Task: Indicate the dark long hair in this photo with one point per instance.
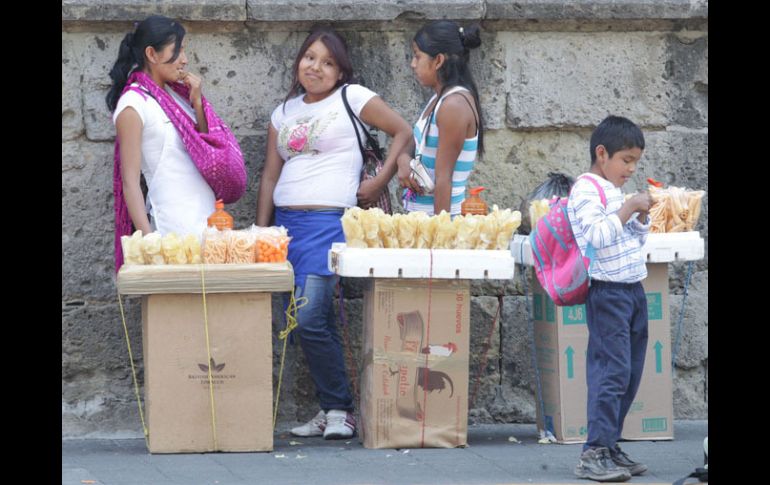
(339, 51)
(156, 31)
(448, 38)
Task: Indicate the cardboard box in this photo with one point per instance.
(561, 340)
(414, 386)
(177, 396)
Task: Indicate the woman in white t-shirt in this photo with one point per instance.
(311, 174)
(178, 198)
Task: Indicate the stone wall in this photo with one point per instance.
(548, 72)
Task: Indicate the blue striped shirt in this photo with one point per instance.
(618, 255)
(463, 166)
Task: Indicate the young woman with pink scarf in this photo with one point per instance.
(168, 132)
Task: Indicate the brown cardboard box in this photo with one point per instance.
(177, 397)
(414, 386)
(561, 340)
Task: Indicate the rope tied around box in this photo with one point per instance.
(291, 323)
(133, 373)
(425, 386)
(210, 360)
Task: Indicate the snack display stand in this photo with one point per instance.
(416, 319)
(459, 264)
(561, 338)
(207, 346)
(659, 248)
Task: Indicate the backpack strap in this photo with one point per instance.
(590, 251)
(598, 187)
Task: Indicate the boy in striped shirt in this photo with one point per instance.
(616, 307)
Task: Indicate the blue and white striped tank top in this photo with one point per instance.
(463, 166)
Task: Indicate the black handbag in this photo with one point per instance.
(372, 156)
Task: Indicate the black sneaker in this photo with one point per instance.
(596, 464)
(622, 460)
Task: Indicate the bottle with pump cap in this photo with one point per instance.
(220, 218)
(474, 204)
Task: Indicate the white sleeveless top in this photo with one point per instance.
(178, 198)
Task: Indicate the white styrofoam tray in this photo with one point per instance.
(462, 264)
(659, 248)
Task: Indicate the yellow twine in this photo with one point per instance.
(210, 362)
(133, 373)
(291, 324)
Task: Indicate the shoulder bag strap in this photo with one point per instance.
(373, 144)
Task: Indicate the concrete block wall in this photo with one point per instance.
(548, 72)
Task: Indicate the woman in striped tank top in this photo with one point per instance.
(449, 132)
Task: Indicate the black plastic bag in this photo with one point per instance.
(557, 184)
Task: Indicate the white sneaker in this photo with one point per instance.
(339, 425)
(314, 427)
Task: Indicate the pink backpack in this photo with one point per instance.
(560, 267)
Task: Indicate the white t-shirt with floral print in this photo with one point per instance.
(322, 161)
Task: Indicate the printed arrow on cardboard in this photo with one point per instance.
(570, 367)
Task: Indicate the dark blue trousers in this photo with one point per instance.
(617, 342)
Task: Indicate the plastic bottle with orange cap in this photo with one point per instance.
(474, 204)
(220, 219)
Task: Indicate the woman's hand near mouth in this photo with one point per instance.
(194, 83)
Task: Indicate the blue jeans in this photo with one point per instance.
(321, 343)
(617, 342)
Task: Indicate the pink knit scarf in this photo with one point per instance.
(216, 154)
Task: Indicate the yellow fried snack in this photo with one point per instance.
(171, 247)
(445, 231)
(192, 249)
(351, 226)
(388, 234)
(468, 228)
(132, 248)
(537, 209)
(240, 247)
(371, 227)
(695, 198)
(151, 248)
(508, 222)
(488, 229)
(214, 246)
(406, 230)
(426, 230)
(676, 209)
(657, 215)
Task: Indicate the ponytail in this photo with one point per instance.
(127, 60)
(455, 42)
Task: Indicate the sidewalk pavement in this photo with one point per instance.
(492, 457)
